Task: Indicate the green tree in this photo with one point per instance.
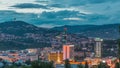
(117, 65)
(51, 64)
(40, 64)
(80, 66)
(28, 62)
(35, 64)
(86, 65)
(119, 50)
(119, 47)
(67, 64)
(12, 66)
(26, 67)
(103, 65)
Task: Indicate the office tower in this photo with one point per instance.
(98, 47)
(68, 52)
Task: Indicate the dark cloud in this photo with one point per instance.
(59, 14)
(57, 18)
(8, 15)
(96, 17)
(57, 5)
(30, 5)
(99, 12)
(42, 1)
(81, 2)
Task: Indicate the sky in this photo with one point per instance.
(54, 13)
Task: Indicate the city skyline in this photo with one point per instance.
(51, 13)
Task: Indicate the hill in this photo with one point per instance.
(108, 31)
(21, 35)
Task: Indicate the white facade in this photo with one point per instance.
(98, 46)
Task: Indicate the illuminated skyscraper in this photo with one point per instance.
(68, 52)
(98, 47)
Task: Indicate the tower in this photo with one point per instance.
(68, 49)
(61, 39)
(98, 47)
(68, 52)
(64, 36)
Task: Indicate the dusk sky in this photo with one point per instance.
(52, 13)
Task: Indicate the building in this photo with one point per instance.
(98, 47)
(44, 53)
(32, 57)
(56, 57)
(68, 52)
(32, 50)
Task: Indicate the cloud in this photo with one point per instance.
(73, 18)
(81, 2)
(55, 18)
(61, 12)
(48, 25)
(42, 1)
(59, 18)
(57, 5)
(30, 5)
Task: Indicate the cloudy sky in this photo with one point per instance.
(51, 13)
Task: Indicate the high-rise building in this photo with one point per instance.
(98, 47)
(68, 52)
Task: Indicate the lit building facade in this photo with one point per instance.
(56, 57)
(98, 47)
(32, 50)
(68, 52)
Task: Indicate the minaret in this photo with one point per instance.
(64, 36)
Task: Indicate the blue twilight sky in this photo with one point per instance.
(51, 13)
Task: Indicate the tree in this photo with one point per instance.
(67, 64)
(35, 64)
(25, 67)
(80, 66)
(86, 65)
(28, 62)
(51, 64)
(103, 65)
(40, 64)
(100, 65)
(119, 50)
(117, 65)
(12, 66)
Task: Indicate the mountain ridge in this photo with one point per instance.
(22, 35)
(93, 30)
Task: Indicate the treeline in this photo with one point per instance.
(29, 64)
